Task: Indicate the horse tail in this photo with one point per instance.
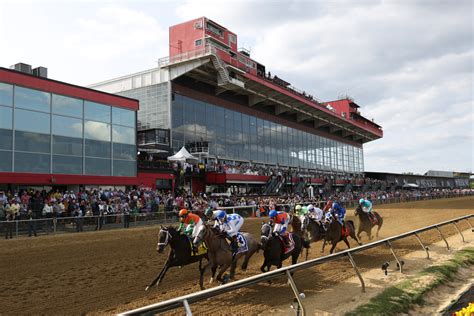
(379, 219)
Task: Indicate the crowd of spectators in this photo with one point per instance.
(77, 206)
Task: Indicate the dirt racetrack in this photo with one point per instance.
(106, 272)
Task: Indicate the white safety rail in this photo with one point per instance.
(184, 301)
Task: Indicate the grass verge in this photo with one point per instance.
(399, 298)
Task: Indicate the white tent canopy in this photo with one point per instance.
(410, 185)
(182, 155)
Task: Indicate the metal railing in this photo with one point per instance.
(184, 301)
(85, 223)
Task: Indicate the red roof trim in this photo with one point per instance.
(58, 87)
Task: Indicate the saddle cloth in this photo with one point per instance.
(202, 249)
(242, 243)
(291, 244)
(345, 231)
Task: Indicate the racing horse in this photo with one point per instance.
(335, 232)
(365, 224)
(180, 253)
(273, 249)
(308, 229)
(219, 252)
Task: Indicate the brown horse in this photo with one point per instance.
(334, 232)
(218, 251)
(365, 224)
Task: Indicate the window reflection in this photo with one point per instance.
(30, 121)
(123, 117)
(96, 112)
(6, 94)
(97, 131)
(66, 126)
(32, 99)
(67, 106)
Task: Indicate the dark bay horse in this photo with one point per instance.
(273, 248)
(365, 224)
(179, 255)
(334, 232)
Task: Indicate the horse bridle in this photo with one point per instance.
(168, 235)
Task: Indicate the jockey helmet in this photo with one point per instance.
(183, 213)
(361, 201)
(310, 207)
(272, 213)
(208, 212)
(298, 207)
(221, 215)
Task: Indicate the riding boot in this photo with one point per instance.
(234, 246)
(286, 240)
(195, 249)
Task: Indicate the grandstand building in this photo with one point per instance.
(223, 106)
(54, 134)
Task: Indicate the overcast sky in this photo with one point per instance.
(408, 64)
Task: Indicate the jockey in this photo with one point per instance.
(367, 208)
(301, 212)
(230, 224)
(281, 220)
(339, 212)
(315, 213)
(190, 224)
(328, 206)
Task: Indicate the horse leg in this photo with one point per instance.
(378, 227)
(334, 243)
(213, 272)
(324, 244)
(233, 265)
(347, 242)
(246, 260)
(353, 236)
(201, 273)
(222, 269)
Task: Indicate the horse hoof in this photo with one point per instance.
(211, 280)
(147, 288)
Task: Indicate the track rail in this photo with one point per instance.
(184, 301)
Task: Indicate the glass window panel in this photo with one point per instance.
(29, 121)
(123, 135)
(6, 94)
(6, 139)
(34, 163)
(125, 168)
(124, 151)
(98, 167)
(5, 161)
(96, 131)
(95, 148)
(5, 118)
(96, 112)
(67, 164)
(32, 142)
(67, 146)
(123, 117)
(66, 126)
(32, 99)
(67, 106)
